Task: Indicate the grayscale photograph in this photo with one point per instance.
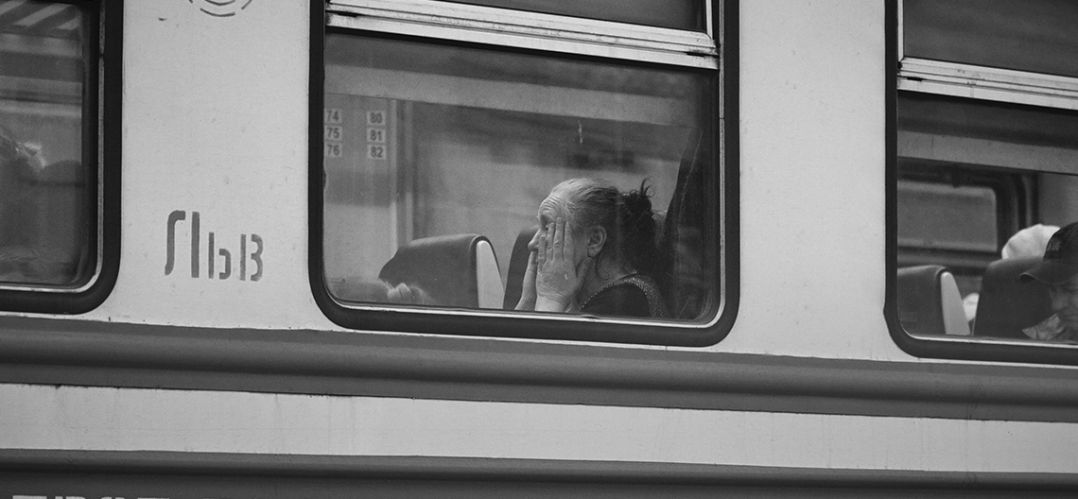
(538, 248)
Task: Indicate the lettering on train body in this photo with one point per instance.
(214, 259)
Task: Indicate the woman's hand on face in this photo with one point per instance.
(557, 277)
(527, 291)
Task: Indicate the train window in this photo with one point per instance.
(449, 161)
(984, 179)
(49, 230)
(973, 178)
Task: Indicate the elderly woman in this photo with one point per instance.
(592, 253)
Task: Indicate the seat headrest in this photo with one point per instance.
(929, 301)
(1007, 305)
(442, 266)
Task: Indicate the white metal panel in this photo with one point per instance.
(812, 180)
(44, 417)
(215, 122)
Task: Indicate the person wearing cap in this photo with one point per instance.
(1026, 243)
(1059, 271)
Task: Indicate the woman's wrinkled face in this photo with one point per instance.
(550, 210)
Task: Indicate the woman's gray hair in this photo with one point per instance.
(627, 218)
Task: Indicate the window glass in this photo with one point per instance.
(437, 158)
(947, 216)
(679, 14)
(982, 189)
(1031, 35)
(45, 207)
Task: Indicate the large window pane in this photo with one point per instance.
(982, 188)
(426, 142)
(45, 209)
(679, 14)
(1028, 35)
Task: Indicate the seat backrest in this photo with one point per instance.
(929, 301)
(1007, 305)
(518, 264)
(459, 270)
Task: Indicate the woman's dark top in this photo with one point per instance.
(634, 295)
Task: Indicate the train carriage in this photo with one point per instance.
(266, 248)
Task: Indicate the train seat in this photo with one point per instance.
(459, 270)
(929, 301)
(1008, 305)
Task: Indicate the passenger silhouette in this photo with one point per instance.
(1058, 270)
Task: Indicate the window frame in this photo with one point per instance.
(676, 49)
(981, 82)
(984, 84)
(102, 114)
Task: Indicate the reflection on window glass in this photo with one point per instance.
(983, 189)
(461, 177)
(679, 14)
(1031, 35)
(947, 217)
(45, 210)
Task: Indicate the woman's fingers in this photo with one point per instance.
(549, 240)
(569, 244)
(559, 239)
(542, 254)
